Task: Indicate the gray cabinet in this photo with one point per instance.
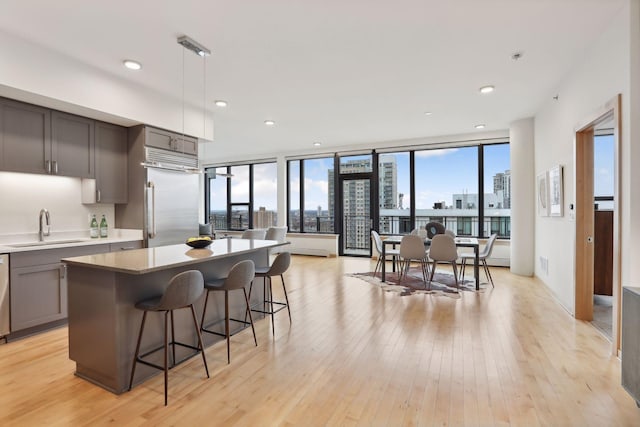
(630, 366)
(125, 246)
(171, 141)
(38, 285)
(25, 137)
(72, 145)
(111, 163)
(38, 295)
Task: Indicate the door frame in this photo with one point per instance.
(584, 215)
(340, 206)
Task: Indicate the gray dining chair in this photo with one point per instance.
(412, 249)
(183, 291)
(482, 257)
(443, 249)
(254, 233)
(450, 233)
(377, 244)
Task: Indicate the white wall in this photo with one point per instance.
(33, 74)
(23, 195)
(603, 73)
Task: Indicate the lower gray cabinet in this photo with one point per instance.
(38, 295)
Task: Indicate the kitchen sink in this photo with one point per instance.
(45, 243)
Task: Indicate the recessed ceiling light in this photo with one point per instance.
(487, 89)
(269, 122)
(131, 64)
(317, 144)
(480, 126)
(221, 103)
(428, 113)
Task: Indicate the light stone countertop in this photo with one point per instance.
(66, 239)
(141, 261)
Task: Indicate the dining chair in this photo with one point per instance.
(434, 228)
(443, 249)
(450, 233)
(482, 257)
(377, 244)
(412, 249)
(419, 232)
(254, 233)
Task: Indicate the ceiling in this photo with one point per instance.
(341, 72)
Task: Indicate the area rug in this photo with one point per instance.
(443, 283)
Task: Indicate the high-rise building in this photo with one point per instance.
(356, 196)
(262, 218)
(502, 188)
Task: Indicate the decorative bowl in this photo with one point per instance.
(199, 243)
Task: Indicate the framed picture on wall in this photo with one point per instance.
(542, 191)
(556, 185)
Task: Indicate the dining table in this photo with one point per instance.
(462, 242)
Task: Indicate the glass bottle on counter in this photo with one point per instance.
(104, 228)
(93, 227)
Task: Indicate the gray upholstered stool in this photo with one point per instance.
(279, 266)
(240, 276)
(184, 289)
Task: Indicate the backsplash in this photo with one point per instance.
(22, 196)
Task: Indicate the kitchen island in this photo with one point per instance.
(104, 288)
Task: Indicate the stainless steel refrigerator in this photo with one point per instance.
(163, 194)
(171, 207)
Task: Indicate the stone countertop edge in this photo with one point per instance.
(135, 261)
(116, 236)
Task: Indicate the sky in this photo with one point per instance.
(439, 174)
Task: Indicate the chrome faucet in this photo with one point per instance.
(41, 233)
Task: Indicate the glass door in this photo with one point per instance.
(356, 196)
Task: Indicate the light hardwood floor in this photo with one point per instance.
(355, 355)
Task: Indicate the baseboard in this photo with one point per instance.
(310, 251)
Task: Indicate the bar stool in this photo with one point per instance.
(184, 289)
(279, 266)
(240, 276)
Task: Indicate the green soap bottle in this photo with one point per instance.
(104, 228)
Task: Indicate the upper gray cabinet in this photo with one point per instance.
(111, 163)
(171, 141)
(72, 145)
(25, 137)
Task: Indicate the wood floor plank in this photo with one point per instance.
(354, 355)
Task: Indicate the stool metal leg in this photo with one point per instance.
(204, 309)
(166, 355)
(286, 297)
(226, 324)
(200, 344)
(173, 340)
(135, 357)
(273, 323)
(250, 317)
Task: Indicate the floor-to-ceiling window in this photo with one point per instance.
(446, 186)
(497, 190)
(242, 196)
(467, 188)
(394, 193)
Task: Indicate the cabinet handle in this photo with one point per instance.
(98, 195)
(127, 248)
(63, 271)
(151, 210)
(55, 167)
(47, 166)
